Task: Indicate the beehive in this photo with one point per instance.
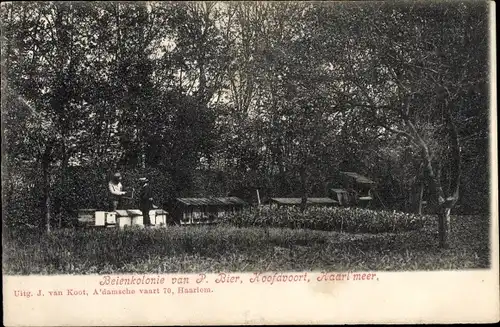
(123, 219)
(100, 218)
(86, 217)
(160, 217)
(136, 216)
(110, 218)
(120, 218)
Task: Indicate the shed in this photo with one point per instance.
(360, 185)
(326, 202)
(189, 211)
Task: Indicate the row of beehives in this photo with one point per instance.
(194, 211)
(120, 218)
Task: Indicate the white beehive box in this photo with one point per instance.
(161, 217)
(137, 221)
(152, 216)
(100, 218)
(123, 219)
(136, 216)
(111, 218)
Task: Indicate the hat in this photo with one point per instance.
(143, 179)
(117, 175)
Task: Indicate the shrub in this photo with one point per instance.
(354, 220)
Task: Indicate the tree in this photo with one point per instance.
(414, 77)
(42, 56)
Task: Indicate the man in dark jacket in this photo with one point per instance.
(146, 201)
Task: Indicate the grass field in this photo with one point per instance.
(226, 248)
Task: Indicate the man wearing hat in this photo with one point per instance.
(146, 200)
(116, 191)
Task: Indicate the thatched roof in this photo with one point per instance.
(358, 178)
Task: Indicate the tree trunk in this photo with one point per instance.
(454, 189)
(58, 202)
(416, 198)
(444, 204)
(303, 182)
(420, 197)
(444, 219)
(46, 159)
(46, 195)
(143, 153)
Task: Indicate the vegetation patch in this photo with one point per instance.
(352, 220)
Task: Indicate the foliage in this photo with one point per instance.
(352, 220)
(215, 97)
(83, 188)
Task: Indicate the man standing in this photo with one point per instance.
(116, 191)
(146, 200)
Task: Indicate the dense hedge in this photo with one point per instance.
(355, 220)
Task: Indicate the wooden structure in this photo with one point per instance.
(119, 218)
(129, 218)
(96, 218)
(360, 188)
(192, 211)
(341, 196)
(325, 202)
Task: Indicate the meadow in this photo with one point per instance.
(229, 248)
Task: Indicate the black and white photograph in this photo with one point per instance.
(208, 137)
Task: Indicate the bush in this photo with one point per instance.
(354, 220)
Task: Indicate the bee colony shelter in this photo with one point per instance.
(190, 211)
(361, 185)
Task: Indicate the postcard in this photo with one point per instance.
(236, 163)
